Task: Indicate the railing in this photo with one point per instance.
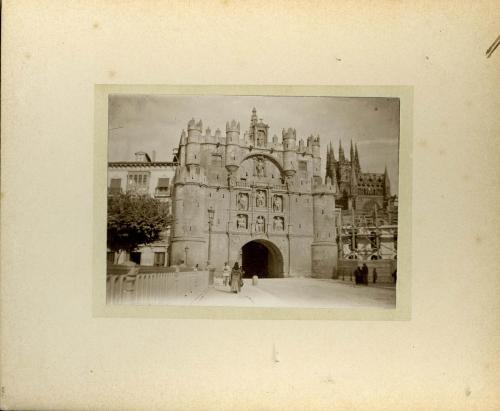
(246, 184)
(242, 184)
(279, 186)
(139, 288)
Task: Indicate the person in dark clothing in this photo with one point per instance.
(357, 275)
(375, 275)
(364, 271)
(395, 276)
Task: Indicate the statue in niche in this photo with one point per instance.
(243, 201)
(241, 222)
(260, 138)
(277, 204)
(260, 224)
(278, 224)
(260, 167)
(260, 199)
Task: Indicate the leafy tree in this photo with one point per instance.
(134, 220)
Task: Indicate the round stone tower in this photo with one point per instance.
(232, 145)
(193, 143)
(289, 152)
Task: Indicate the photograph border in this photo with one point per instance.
(403, 286)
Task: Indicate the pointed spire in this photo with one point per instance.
(341, 151)
(254, 118)
(356, 158)
(351, 153)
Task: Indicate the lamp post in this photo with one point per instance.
(211, 213)
(186, 249)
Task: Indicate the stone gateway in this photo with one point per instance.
(273, 212)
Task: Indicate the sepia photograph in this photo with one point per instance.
(252, 201)
(250, 205)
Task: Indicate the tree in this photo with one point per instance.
(134, 220)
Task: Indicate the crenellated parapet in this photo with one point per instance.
(194, 128)
(190, 175)
(327, 188)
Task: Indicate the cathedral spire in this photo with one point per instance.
(351, 153)
(356, 158)
(341, 151)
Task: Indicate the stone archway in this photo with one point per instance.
(262, 258)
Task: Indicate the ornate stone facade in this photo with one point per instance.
(273, 211)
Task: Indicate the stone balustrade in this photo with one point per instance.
(150, 288)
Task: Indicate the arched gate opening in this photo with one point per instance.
(262, 258)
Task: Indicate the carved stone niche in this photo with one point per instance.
(242, 201)
(241, 222)
(260, 167)
(260, 224)
(278, 224)
(277, 203)
(260, 198)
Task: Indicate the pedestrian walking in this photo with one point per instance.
(236, 278)
(375, 275)
(226, 272)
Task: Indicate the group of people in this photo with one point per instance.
(361, 274)
(233, 277)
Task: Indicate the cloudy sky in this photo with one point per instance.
(155, 122)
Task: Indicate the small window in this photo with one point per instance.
(163, 186)
(159, 259)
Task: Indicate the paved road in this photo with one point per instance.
(299, 292)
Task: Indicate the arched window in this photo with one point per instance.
(373, 239)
